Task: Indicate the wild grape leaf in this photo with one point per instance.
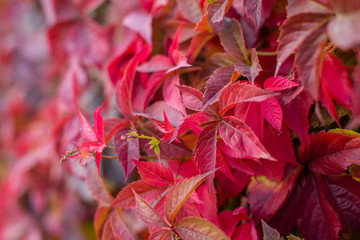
(232, 39)
(238, 135)
(96, 186)
(266, 197)
(141, 23)
(147, 213)
(331, 153)
(191, 97)
(180, 193)
(205, 151)
(171, 93)
(279, 83)
(269, 232)
(335, 78)
(217, 60)
(343, 195)
(258, 11)
(294, 31)
(198, 228)
(252, 115)
(119, 228)
(190, 9)
(308, 60)
(240, 92)
(316, 220)
(127, 151)
(217, 81)
(344, 29)
(217, 10)
(250, 71)
(125, 198)
(272, 112)
(155, 173)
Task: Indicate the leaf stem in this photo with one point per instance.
(267, 54)
(109, 157)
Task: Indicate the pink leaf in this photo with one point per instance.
(258, 10)
(190, 9)
(189, 227)
(238, 135)
(191, 97)
(86, 130)
(125, 198)
(171, 93)
(239, 92)
(250, 71)
(155, 173)
(217, 81)
(278, 83)
(119, 228)
(96, 186)
(180, 193)
(127, 151)
(272, 112)
(218, 9)
(98, 123)
(156, 64)
(140, 22)
(147, 213)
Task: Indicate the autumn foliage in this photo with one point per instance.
(180, 119)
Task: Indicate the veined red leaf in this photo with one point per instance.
(308, 59)
(217, 81)
(335, 78)
(197, 44)
(272, 112)
(99, 123)
(232, 39)
(222, 163)
(179, 60)
(228, 221)
(218, 9)
(140, 22)
(296, 7)
(191, 97)
(147, 213)
(107, 232)
(180, 193)
(279, 83)
(294, 31)
(266, 197)
(250, 71)
(86, 130)
(343, 195)
(156, 64)
(96, 186)
(127, 151)
(258, 11)
(198, 228)
(331, 153)
(161, 234)
(119, 228)
(125, 198)
(190, 9)
(155, 173)
(205, 151)
(344, 29)
(171, 93)
(317, 220)
(123, 90)
(239, 92)
(246, 231)
(269, 232)
(238, 135)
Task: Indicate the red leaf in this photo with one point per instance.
(127, 151)
(180, 193)
(237, 135)
(140, 22)
(294, 31)
(147, 213)
(119, 228)
(99, 123)
(250, 71)
(191, 97)
(156, 64)
(197, 44)
(189, 227)
(335, 78)
(266, 197)
(278, 83)
(246, 231)
(125, 198)
(344, 29)
(171, 93)
(272, 112)
(269, 232)
(239, 92)
(96, 186)
(258, 11)
(155, 173)
(218, 9)
(232, 39)
(190, 9)
(205, 151)
(86, 130)
(218, 80)
(331, 153)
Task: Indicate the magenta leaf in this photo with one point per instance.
(155, 173)
(217, 10)
(190, 9)
(258, 10)
(156, 64)
(272, 112)
(250, 71)
(140, 22)
(171, 93)
(278, 83)
(96, 186)
(119, 228)
(191, 97)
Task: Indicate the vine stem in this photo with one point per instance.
(267, 54)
